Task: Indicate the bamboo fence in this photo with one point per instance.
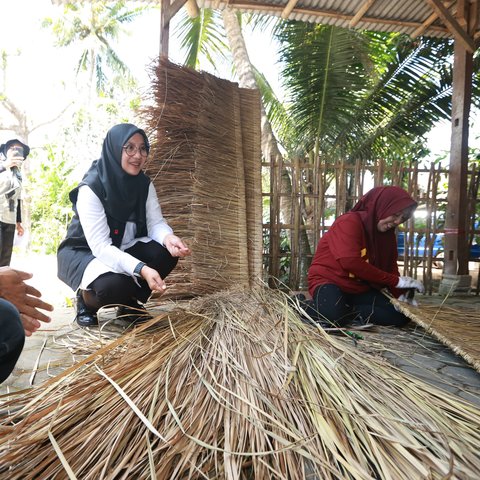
(318, 193)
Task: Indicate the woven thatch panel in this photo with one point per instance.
(251, 128)
(455, 328)
(208, 136)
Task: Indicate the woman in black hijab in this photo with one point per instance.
(118, 247)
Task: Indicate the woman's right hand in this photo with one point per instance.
(409, 282)
(152, 277)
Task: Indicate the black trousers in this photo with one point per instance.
(12, 338)
(7, 233)
(118, 289)
(332, 305)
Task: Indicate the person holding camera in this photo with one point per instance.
(12, 155)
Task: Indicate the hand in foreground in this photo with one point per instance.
(406, 299)
(409, 282)
(13, 162)
(154, 280)
(25, 297)
(175, 246)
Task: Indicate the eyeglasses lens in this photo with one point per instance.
(132, 150)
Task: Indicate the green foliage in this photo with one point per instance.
(95, 27)
(360, 94)
(51, 208)
(202, 38)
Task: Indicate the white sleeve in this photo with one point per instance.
(97, 233)
(157, 226)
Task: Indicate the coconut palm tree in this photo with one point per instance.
(94, 26)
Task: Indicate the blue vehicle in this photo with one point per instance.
(419, 249)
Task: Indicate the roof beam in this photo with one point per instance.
(288, 8)
(278, 9)
(361, 12)
(421, 30)
(452, 24)
(192, 9)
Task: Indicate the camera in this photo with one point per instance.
(17, 152)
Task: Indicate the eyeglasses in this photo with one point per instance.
(131, 150)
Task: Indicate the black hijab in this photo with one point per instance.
(123, 196)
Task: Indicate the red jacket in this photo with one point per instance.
(342, 259)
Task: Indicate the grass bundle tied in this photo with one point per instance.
(233, 385)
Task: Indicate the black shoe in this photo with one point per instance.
(133, 313)
(84, 316)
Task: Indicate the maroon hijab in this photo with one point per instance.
(377, 204)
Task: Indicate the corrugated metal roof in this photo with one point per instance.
(413, 17)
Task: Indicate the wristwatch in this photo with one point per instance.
(138, 269)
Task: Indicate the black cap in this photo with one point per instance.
(5, 146)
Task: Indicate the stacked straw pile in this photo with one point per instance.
(206, 167)
(235, 386)
(458, 329)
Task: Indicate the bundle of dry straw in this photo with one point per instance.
(235, 386)
(206, 167)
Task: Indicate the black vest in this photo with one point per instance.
(74, 254)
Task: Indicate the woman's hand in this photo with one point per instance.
(409, 282)
(175, 246)
(152, 277)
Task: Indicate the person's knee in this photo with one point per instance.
(331, 304)
(386, 316)
(114, 289)
(12, 338)
(163, 262)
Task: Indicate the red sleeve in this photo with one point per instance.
(348, 246)
(362, 269)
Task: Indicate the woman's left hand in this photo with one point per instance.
(175, 246)
(155, 282)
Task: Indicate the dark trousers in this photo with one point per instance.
(330, 304)
(12, 338)
(7, 233)
(118, 289)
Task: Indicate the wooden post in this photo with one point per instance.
(456, 254)
(167, 11)
(164, 27)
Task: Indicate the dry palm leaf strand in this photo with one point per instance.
(238, 387)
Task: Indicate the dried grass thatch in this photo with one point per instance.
(206, 167)
(234, 386)
(459, 329)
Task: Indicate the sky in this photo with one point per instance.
(42, 77)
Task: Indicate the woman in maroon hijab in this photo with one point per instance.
(357, 258)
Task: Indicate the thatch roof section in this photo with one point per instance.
(205, 165)
(455, 328)
(233, 385)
